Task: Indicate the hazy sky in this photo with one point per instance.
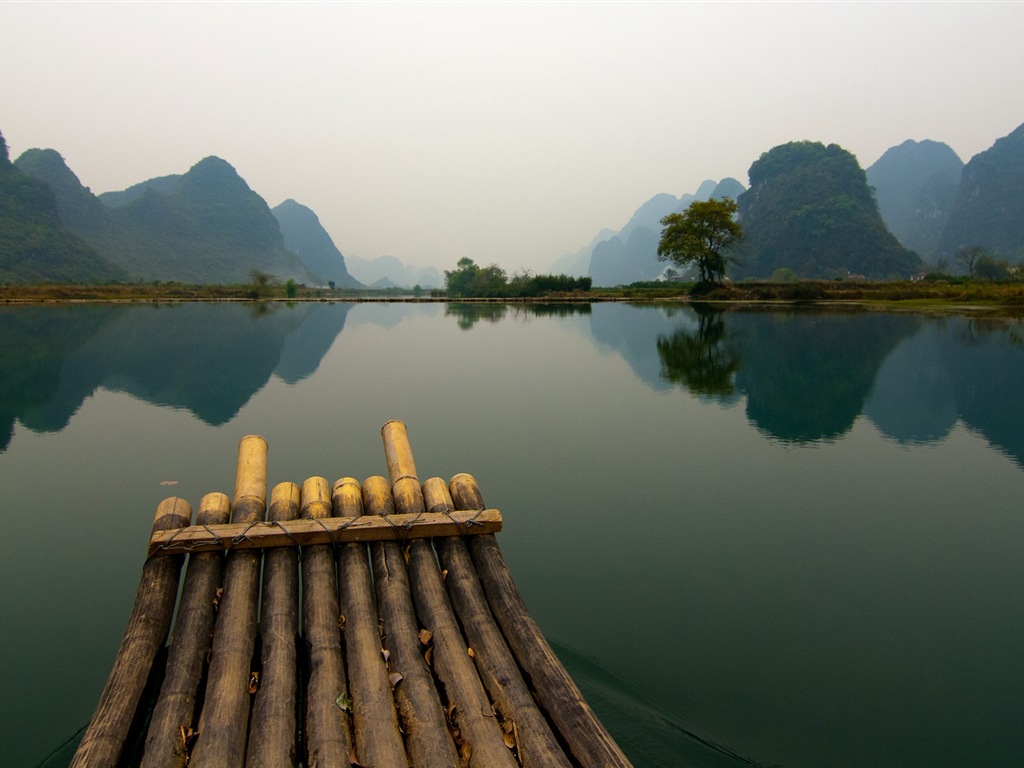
(506, 132)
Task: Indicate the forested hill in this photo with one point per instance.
(809, 209)
(915, 184)
(989, 207)
(205, 226)
(34, 244)
(306, 238)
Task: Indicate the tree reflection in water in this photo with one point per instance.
(705, 361)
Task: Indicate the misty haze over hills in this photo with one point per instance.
(631, 254)
(915, 185)
(204, 226)
(306, 238)
(389, 272)
(811, 211)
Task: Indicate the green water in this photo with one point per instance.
(754, 537)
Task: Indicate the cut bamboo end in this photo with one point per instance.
(171, 513)
(316, 498)
(465, 492)
(347, 498)
(377, 496)
(214, 509)
(436, 496)
(251, 472)
(284, 501)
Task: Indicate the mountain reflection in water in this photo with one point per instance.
(804, 375)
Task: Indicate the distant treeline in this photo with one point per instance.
(470, 280)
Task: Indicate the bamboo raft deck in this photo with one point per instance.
(388, 632)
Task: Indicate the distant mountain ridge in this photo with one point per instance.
(306, 238)
(631, 254)
(390, 272)
(203, 226)
(34, 244)
(915, 185)
(989, 206)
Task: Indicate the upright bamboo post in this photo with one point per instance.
(590, 744)
(328, 734)
(104, 737)
(378, 741)
(453, 664)
(524, 724)
(170, 727)
(272, 730)
(428, 742)
(224, 721)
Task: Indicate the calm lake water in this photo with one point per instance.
(755, 538)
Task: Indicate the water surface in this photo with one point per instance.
(768, 538)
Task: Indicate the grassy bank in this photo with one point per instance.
(932, 294)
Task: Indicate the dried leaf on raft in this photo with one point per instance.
(217, 596)
(394, 678)
(510, 734)
(254, 682)
(386, 654)
(344, 702)
(341, 621)
(425, 636)
(428, 656)
(470, 652)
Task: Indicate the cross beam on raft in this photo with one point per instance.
(330, 530)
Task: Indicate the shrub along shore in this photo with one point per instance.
(954, 294)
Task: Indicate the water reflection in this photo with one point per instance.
(804, 376)
(704, 361)
(807, 376)
(207, 358)
(470, 313)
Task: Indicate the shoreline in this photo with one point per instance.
(1002, 299)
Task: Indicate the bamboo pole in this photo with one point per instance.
(328, 734)
(378, 741)
(170, 728)
(524, 725)
(225, 716)
(272, 728)
(590, 744)
(428, 742)
(481, 739)
(104, 737)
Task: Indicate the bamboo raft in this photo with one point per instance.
(388, 632)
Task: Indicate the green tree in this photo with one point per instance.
(470, 280)
(701, 235)
(457, 282)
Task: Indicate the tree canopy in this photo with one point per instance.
(701, 235)
(810, 209)
(470, 280)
